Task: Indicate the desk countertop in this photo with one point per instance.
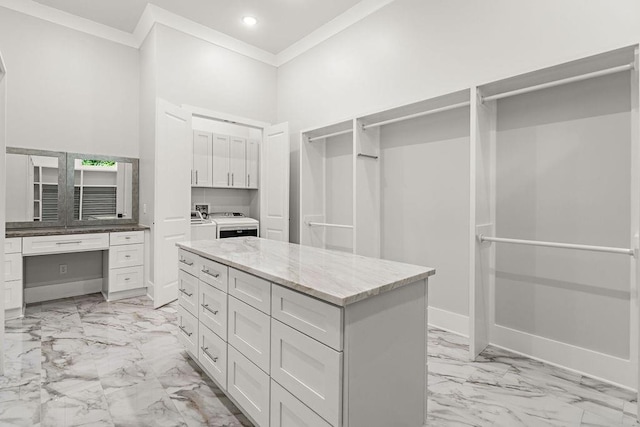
(57, 231)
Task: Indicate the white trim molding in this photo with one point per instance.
(605, 367)
(449, 321)
(156, 15)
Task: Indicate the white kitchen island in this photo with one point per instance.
(300, 336)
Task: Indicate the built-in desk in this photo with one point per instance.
(122, 250)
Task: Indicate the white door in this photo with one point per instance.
(238, 162)
(172, 197)
(274, 183)
(221, 175)
(202, 159)
(3, 117)
(253, 148)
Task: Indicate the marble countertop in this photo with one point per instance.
(337, 277)
(56, 231)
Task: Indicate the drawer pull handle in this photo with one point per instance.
(127, 278)
(75, 242)
(184, 331)
(127, 256)
(214, 275)
(206, 307)
(185, 292)
(128, 237)
(186, 262)
(204, 350)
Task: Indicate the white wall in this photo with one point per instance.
(416, 49)
(70, 91)
(194, 72)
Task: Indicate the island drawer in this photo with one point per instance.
(188, 292)
(308, 315)
(188, 331)
(124, 279)
(250, 289)
(13, 245)
(12, 267)
(212, 354)
(249, 332)
(126, 238)
(126, 256)
(287, 410)
(212, 309)
(43, 245)
(188, 262)
(249, 386)
(308, 369)
(214, 273)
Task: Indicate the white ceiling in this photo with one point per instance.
(280, 22)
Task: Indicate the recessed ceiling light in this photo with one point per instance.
(250, 21)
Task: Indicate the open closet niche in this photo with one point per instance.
(225, 172)
(327, 187)
(412, 193)
(556, 204)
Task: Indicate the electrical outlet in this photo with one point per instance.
(63, 268)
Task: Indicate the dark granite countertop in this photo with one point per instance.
(56, 231)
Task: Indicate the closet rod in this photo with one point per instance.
(413, 116)
(342, 132)
(622, 251)
(580, 78)
(324, 224)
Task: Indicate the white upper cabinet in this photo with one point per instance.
(221, 153)
(202, 159)
(238, 162)
(253, 149)
(223, 161)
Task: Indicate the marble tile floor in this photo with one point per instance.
(85, 362)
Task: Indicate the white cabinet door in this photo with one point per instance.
(173, 198)
(202, 159)
(274, 183)
(253, 148)
(287, 411)
(212, 354)
(221, 176)
(249, 386)
(249, 332)
(238, 162)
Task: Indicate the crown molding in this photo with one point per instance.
(330, 29)
(56, 16)
(155, 15)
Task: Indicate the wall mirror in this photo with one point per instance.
(102, 189)
(35, 188)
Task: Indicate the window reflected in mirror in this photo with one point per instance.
(32, 188)
(102, 190)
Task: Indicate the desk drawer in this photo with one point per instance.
(249, 386)
(188, 331)
(308, 369)
(249, 332)
(188, 292)
(188, 262)
(315, 318)
(212, 309)
(251, 289)
(288, 411)
(126, 256)
(12, 267)
(126, 238)
(214, 273)
(42, 245)
(13, 245)
(13, 295)
(124, 279)
(212, 354)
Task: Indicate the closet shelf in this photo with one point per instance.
(622, 251)
(561, 82)
(413, 116)
(329, 135)
(325, 224)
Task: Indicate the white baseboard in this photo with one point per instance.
(611, 369)
(115, 296)
(449, 321)
(62, 290)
